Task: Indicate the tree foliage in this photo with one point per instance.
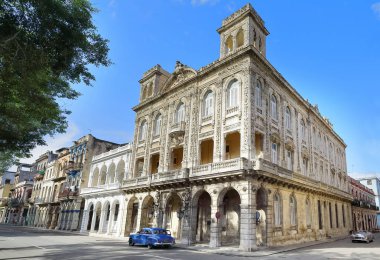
(45, 47)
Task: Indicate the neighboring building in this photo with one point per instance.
(104, 198)
(214, 145)
(21, 192)
(77, 172)
(363, 206)
(373, 183)
(37, 201)
(6, 184)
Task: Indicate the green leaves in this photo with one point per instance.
(44, 47)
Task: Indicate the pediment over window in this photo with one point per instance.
(181, 73)
(275, 137)
(305, 152)
(289, 145)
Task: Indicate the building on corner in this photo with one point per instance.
(373, 182)
(212, 146)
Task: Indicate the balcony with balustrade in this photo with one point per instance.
(219, 169)
(177, 129)
(101, 188)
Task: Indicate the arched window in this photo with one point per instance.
(142, 131)
(157, 125)
(180, 113)
(150, 90)
(303, 131)
(260, 44)
(240, 38)
(208, 105)
(273, 102)
(293, 211)
(228, 45)
(277, 210)
(288, 119)
(308, 213)
(233, 94)
(274, 153)
(259, 98)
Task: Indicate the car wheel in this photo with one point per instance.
(150, 246)
(130, 242)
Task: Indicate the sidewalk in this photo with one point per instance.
(265, 251)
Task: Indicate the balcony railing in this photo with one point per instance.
(171, 175)
(109, 186)
(136, 181)
(219, 167)
(71, 166)
(178, 128)
(67, 193)
(363, 204)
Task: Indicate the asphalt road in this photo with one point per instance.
(27, 243)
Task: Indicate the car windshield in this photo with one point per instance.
(160, 232)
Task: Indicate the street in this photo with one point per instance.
(28, 243)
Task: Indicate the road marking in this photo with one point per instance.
(39, 247)
(160, 257)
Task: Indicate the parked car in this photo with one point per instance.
(152, 237)
(362, 235)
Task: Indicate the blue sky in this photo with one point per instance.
(328, 50)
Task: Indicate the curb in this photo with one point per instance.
(261, 252)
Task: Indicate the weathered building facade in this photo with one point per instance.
(104, 198)
(77, 172)
(364, 207)
(18, 203)
(373, 182)
(6, 184)
(41, 190)
(212, 146)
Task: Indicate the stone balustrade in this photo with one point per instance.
(219, 167)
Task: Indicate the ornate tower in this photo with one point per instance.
(241, 29)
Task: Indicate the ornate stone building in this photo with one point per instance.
(212, 146)
(104, 198)
(364, 207)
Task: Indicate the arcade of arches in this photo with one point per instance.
(225, 214)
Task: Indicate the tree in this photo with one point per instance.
(45, 47)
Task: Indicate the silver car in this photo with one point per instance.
(362, 235)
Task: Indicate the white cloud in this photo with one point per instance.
(376, 9)
(203, 2)
(54, 143)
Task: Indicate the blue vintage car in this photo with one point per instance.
(152, 237)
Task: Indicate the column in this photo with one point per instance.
(215, 234)
(85, 219)
(248, 221)
(138, 217)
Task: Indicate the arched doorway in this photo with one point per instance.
(106, 218)
(98, 211)
(172, 221)
(114, 227)
(203, 226)
(230, 219)
(261, 225)
(132, 212)
(147, 212)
